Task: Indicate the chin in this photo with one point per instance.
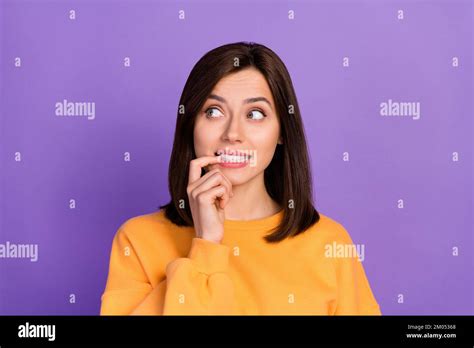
(236, 176)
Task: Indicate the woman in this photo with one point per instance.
(240, 234)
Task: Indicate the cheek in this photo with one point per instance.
(264, 156)
(265, 144)
(203, 139)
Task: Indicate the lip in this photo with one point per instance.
(232, 165)
(233, 152)
(231, 155)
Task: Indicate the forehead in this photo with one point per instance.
(246, 83)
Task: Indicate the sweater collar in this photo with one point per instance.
(262, 225)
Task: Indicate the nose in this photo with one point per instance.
(233, 131)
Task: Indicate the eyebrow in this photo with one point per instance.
(246, 101)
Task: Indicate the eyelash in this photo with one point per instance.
(213, 107)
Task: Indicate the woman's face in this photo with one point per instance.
(238, 120)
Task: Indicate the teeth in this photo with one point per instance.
(233, 156)
(233, 159)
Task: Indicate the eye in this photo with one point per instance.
(256, 115)
(210, 114)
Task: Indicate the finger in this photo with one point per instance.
(222, 200)
(196, 165)
(231, 189)
(203, 178)
(215, 181)
(217, 178)
(213, 194)
(206, 177)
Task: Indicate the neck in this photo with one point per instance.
(251, 201)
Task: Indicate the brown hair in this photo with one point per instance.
(287, 177)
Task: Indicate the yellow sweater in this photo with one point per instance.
(158, 268)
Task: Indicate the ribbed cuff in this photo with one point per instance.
(209, 257)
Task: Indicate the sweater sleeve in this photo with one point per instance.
(200, 283)
(194, 285)
(354, 295)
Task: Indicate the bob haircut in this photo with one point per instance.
(288, 176)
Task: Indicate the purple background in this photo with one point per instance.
(407, 251)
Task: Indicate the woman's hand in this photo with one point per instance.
(208, 195)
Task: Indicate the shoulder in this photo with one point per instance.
(154, 239)
(329, 230)
(148, 228)
(144, 221)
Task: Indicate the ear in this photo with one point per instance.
(280, 141)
